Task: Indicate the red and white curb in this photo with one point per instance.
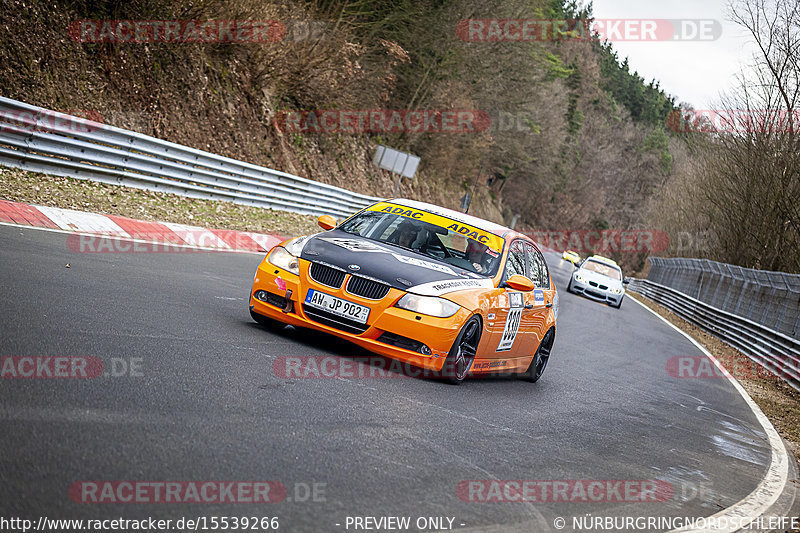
(96, 233)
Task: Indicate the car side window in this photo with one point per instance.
(516, 260)
(537, 267)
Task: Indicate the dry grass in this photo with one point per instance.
(83, 195)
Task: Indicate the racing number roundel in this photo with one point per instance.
(515, 300)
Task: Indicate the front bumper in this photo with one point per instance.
(595, 291)
(390, 331)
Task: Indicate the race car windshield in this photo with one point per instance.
(600, 268)
(426, 239)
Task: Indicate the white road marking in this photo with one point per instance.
(79, 221)
(129, 239)
(265, 241)
(197, 236)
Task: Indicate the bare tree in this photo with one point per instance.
(746, 182)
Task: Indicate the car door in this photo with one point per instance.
(541, 297)
(509, 308)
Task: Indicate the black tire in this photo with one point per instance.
(267, 322)
(462, 354)
(539, 362)
(569, 286)
(619, 304)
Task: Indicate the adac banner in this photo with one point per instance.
(491, 240)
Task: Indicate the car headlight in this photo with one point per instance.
(616, 291)
(283, 259)
(428, 305)
(578, 277)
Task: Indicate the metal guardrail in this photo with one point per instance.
(772, 350)
(771, 299)
(37, 139)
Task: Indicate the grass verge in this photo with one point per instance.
(83, 195)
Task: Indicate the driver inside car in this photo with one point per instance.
(476, 254)
(405, 234)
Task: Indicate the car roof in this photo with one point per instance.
(491, 227)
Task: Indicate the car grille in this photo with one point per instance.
(601, 287)
(334, 321)
(595, 294)
(367, 288)
(325, 275)
(402, 342)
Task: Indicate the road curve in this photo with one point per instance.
(207, 404)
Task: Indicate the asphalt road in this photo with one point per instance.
(205, 404)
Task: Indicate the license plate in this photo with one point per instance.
(337, 306)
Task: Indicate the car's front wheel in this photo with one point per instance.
(462, 354)
(569, 285)
(539, 361)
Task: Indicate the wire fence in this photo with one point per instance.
(771, 299)
(775, 352)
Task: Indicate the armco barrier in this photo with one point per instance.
(36, 139)
(772, 350)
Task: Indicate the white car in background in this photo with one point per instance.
(600, 279)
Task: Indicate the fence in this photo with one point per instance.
(36, 139)
(771, 299)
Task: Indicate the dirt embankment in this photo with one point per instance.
(219, 97)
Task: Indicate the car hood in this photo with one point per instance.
(392, 265)
(599, 278)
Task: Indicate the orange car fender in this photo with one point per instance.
(474, 300)
(479, 302)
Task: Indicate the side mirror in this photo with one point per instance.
(625, 281)
(519, 283)
(327, 222)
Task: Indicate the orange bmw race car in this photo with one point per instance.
(441, 290)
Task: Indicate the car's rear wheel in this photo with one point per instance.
(462, 354)
(539, 361)
(267, 322)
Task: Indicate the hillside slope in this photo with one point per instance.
(575, 141)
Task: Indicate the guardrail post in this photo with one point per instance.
(779, 320)
(700, 283)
